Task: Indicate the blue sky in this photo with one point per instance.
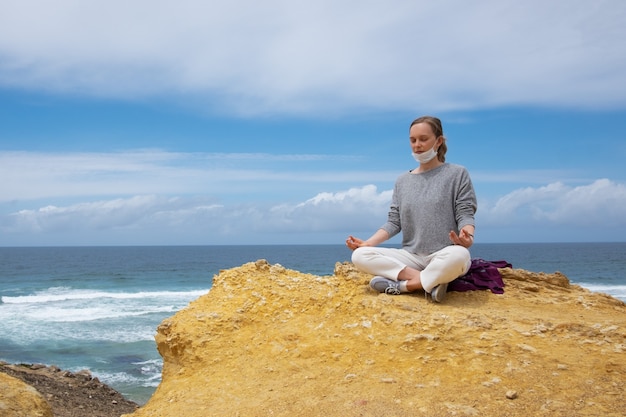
(286, 122)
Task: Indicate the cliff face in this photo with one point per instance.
(44, 391)
(18, 399)
(270, 341)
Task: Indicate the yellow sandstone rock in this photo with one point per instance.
(18, 399)
(267, 341)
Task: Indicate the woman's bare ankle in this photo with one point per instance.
(414, 285)
(412, 278)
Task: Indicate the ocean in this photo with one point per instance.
(98, 308)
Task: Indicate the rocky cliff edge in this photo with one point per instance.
(268, 341)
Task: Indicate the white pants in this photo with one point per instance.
(437, 268)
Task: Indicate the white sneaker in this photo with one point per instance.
(386, 285)
(439, 292)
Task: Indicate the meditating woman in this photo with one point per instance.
(434, 206)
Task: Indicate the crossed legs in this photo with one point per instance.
(419, 272)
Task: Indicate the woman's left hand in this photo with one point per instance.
(464, 238)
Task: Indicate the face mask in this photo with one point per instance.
(425, 157)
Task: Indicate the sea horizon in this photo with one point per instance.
(295, 244)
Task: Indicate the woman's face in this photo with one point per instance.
(422, 138)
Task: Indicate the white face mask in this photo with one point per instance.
(425, 157)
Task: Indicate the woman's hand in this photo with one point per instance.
(464, 238)
(354, 242)
(379, 237)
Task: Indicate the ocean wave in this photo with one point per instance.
(617, 291)
(62, 313)
(104, 312)
(142, 373)
(58, 294)
(59, 335)
(151, 369)
(124, 378)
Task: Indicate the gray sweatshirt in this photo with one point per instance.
(427, 206)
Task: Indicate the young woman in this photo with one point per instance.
(434, 206)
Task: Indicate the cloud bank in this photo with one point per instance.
(324, 218)
(595, 204)
(323, 57)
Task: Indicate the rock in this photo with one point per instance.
(66, 396)
(85, 375)
(18, 399)
(511, 395)
(271, 341)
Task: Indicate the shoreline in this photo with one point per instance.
(71, 394)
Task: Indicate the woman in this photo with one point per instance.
(433, 205)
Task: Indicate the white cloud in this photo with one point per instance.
(323, 56)
(357, 209)
(599, 204)
(144, 216)
(90, 216)
(535, 212)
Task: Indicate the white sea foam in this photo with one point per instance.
(150, 375)
(24, 333)
(57, 294)
(617, 291)
(63, 313)
(123, 378)
(68, 305)
(152, 371)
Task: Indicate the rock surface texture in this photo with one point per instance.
(18, 399)
(46, 391)
(267, 341)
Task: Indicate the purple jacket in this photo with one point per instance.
(482, 275)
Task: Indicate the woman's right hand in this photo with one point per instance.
(354, 242)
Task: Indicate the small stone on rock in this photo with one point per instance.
(511, 394)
